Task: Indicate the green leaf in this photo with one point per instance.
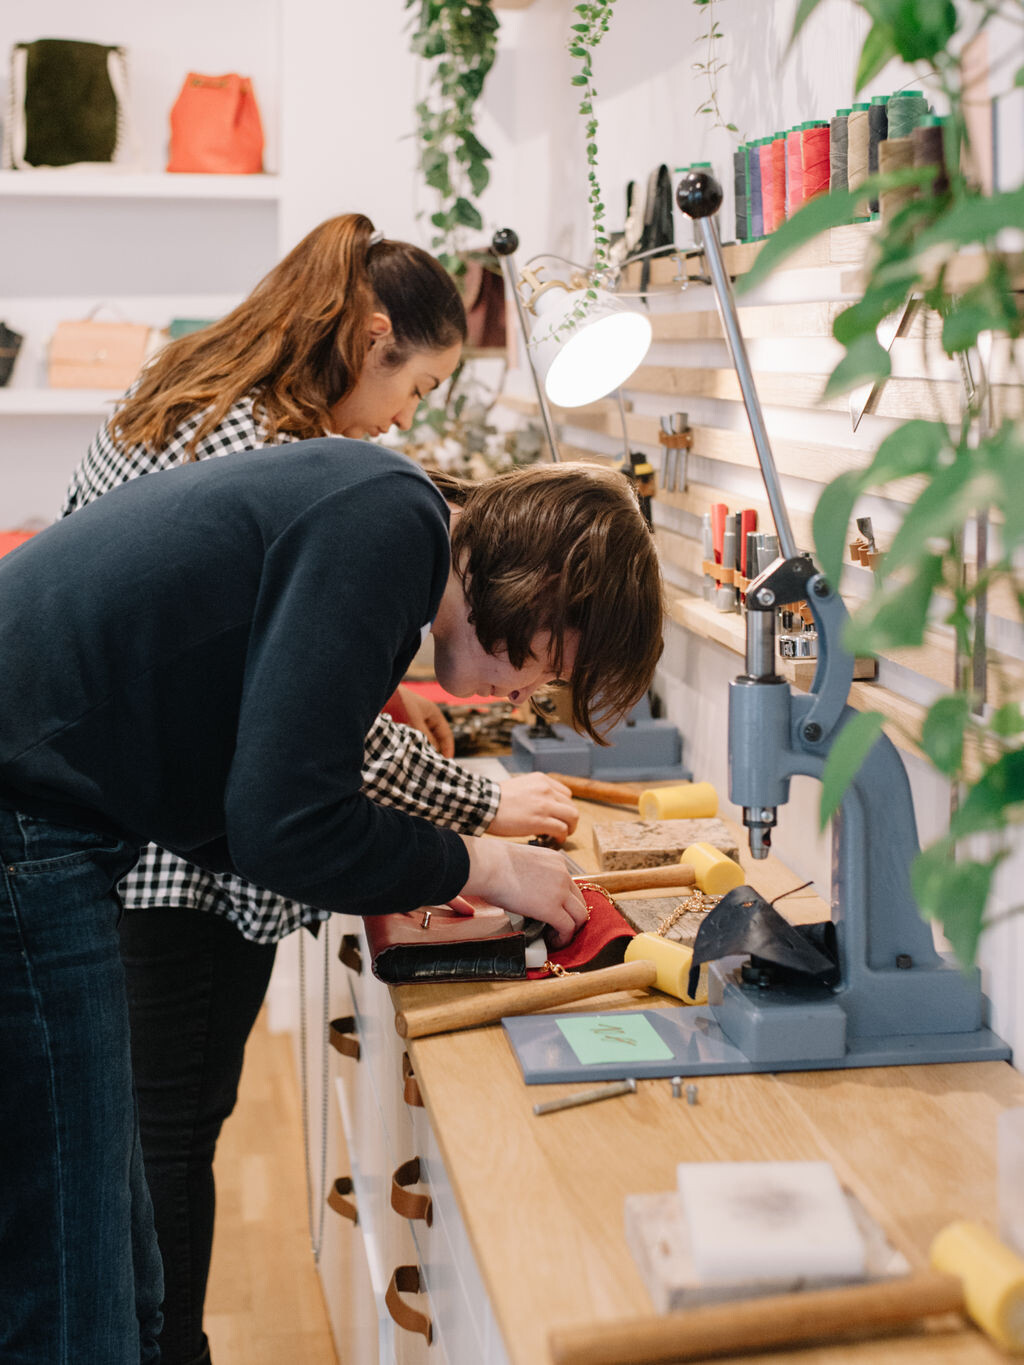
(849, 750)
(961, 327)
(985, 806)
(921, 28)
(942, 734)
(866, 360)
(916, 447)
(1007, 720)
(938, 511)
(474, 146)
(877, 52)
(479, 176)
(955, 894)
(1019, 76)
(467, 214)
(976, 219)
(831, 520)
(897, 616)
(579, 80)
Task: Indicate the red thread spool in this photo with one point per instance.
(778, 149)
(764, 153)
(814, 146)
(794, 172)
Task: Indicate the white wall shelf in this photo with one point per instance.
(102, 184)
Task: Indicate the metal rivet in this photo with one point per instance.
(691, 1094)
(677, 1087)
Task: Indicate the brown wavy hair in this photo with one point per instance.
(563, 547)
(300, 339)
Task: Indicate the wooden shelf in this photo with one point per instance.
(72, 183)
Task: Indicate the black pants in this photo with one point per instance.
(195, 986)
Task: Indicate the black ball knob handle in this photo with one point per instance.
(698, 194)
(505, 241)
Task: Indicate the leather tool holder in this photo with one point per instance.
(438, 944)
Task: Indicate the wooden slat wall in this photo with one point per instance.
(812, 438)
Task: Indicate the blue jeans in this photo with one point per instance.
(80, 1277)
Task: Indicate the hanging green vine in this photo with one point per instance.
(711, 66)
(459, 39)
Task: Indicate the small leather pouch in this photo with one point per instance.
(438, 943)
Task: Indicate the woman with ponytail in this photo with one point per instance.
(344, 337)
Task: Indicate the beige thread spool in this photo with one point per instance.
(895, 154)
(683, 801)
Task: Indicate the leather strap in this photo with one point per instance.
(336, 1199)
(410, 1085)
(341, 1035)
(350, 953)
(410, 1205)
(406, 1280)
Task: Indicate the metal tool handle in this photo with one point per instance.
(699, 195)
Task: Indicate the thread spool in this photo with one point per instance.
(778, 150)
(905, 110)
(929, 150)
(715, 873)
(764, 152)
(990, 1273)
(857, 146)
(814, 150)
(672, 961)
(794, 172)
(682, 801)
(756, 201)
(838, 145)
(895, 154)
(878, 131)
(741, 173)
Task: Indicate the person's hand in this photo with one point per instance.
(532, 804)
(427, 717)
(533, 882)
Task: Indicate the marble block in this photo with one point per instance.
(651, 843)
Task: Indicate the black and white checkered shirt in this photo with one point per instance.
(400, 766)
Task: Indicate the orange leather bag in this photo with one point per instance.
(216, 127)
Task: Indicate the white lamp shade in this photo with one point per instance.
(580, 363)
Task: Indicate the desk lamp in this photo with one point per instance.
(897, 1000)
(582, 343)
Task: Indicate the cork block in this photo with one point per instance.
(651, 843)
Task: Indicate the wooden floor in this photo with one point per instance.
(264, 1305)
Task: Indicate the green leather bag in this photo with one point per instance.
(67, 103)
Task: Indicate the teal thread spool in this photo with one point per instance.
(906, 110)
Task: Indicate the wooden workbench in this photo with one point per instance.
(543, 1197)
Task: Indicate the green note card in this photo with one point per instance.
(598, 1039)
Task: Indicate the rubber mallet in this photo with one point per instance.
(974, 1274)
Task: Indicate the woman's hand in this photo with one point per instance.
(532, 804)
(427, 717)
(533, 882)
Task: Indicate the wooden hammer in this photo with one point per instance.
(974, 1273)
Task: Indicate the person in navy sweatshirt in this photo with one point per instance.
(195, 659)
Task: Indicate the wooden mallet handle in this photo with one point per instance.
(640, 878)
(757, 1324)
(523, 998)
(591, 789)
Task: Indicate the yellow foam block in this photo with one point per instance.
(673, 962)
(716, 874)
(992, 1276)
(683, 801)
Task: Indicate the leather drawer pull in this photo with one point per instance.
(410, 1085)
(410, 1205)
(406, 1280)
(336, 1199)
(350, 953)
(341, 1036)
